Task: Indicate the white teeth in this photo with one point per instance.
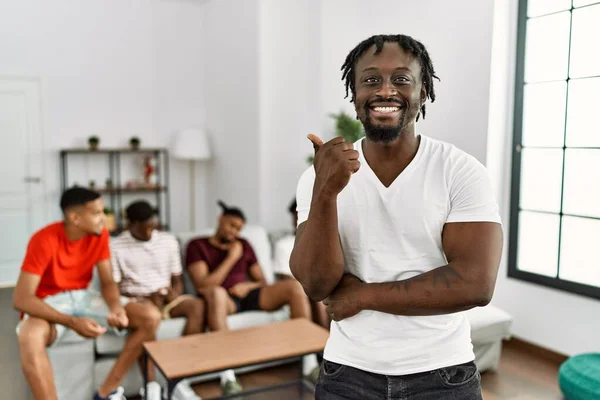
(386, 109)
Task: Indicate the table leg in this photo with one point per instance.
(302, 378)
(145, 372)
(171, 383)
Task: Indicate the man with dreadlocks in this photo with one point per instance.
(398, 233)
(225, 271)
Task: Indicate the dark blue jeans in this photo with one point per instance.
(341, 382)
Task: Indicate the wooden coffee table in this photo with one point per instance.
(194, 355)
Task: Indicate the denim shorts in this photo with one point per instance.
(457, 382)
(80, 303)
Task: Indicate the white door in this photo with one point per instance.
(22, 200)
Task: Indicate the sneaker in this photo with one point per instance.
(183, 391)
(116, 395)
(231, 387)
(154, 392)
(313, 375)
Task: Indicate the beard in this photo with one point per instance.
(386, 133)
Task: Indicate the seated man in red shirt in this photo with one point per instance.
(52, 292)
(226, 272)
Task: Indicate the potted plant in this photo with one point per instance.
(110, 221)
(108, 183)
(134, 142)
(92, 184)
(345, 126)
(93, 142)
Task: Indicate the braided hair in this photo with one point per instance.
(408, 44)
(234, 211)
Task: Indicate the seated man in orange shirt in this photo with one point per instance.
(52, 292)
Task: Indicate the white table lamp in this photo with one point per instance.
(192, 145)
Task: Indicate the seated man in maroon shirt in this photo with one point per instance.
(225, 271)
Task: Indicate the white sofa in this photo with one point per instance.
(81, 365)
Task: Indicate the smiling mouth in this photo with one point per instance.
(386, 110)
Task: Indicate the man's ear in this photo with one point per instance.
(72, 216)
(423, 95)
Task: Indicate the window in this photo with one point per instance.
(555, 197)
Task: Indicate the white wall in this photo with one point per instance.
(557, 320)
(230, 51)
(111, 68)
(290, 106)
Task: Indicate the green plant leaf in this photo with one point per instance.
(347, 127)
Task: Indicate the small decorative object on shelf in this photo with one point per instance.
(150, 177)
(92, 184)
(132, 184)
(134, 142)
(109, 220)
(94, 142)
(108, 183)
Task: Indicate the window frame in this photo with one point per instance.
(513, 272)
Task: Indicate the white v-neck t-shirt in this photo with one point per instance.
(394, 233)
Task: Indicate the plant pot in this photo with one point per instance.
(134, 143)
(94, 145)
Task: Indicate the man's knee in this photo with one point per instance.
(35, 334)
(150, 317)
(216, 295)
(295, 289)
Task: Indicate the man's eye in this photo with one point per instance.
(371, 79)
(402, 79)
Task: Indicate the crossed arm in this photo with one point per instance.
(203, 279)
(473, 251)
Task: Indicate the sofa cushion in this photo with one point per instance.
(70, 336)
(112, 344)
(489, 324)
(255, 318)
(73, 365)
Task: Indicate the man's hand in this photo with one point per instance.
(335, 162)
(87, 327)
(118, 318)
(235, 251)
(344, 302)
(158, 299)
(171, 295)
(241, 290)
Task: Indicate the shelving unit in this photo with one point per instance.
(116, 191)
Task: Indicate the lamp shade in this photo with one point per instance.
(191, 144)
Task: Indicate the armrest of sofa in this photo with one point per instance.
(489, 324)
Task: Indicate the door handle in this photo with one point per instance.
(32, 179)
